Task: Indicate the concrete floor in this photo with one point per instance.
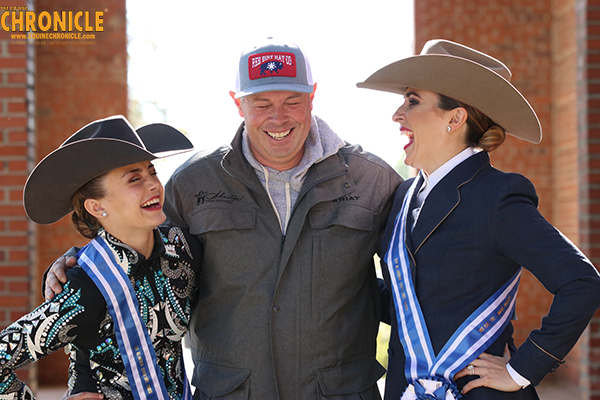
(548, 390)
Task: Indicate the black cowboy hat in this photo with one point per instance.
(95, 149)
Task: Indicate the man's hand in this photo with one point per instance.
(57, 276)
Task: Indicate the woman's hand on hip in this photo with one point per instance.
(492, 373)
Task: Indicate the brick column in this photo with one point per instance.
(16, 136)
(588, 96)
(75, 84)
(565, 153)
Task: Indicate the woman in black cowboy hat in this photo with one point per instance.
(461, 230)
(124, 312)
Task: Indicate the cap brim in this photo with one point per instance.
(275, 87)
(465, 81)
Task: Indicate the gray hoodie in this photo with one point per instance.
(283, 187)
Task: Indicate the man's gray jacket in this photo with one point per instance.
(285, 317)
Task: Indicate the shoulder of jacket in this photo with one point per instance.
(492, 183)
(201, 158)
(355, 153)
(496, 177)
(519, 183)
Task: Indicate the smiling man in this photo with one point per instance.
(289, 304)
(277, 124)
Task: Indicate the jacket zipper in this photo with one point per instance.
(300, 196)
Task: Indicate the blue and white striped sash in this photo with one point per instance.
(139, 358)
(471, 339)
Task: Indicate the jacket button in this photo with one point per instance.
(276, 308)
(346, 185)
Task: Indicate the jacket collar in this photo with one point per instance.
(321, 143)
(236, 164)
(128, 258)
(444, 198)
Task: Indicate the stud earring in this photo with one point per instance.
(104, 214)
(448, 128)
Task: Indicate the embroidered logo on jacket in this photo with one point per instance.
(218, 197)
(346, 198)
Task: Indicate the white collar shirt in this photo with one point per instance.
(429, 181)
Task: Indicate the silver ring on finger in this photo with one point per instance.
(471, 369)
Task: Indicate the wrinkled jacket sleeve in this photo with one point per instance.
(51, 326)
(392, 210)
(525, 236)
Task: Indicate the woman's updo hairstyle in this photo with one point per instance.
(482, 132)
(85, 223)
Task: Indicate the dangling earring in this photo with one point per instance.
(448, 128)
(104, 214)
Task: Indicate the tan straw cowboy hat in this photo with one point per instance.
(95, 149)
(466, 75)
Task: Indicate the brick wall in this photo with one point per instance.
(517, 33)
(16, 127)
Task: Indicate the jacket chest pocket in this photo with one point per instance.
(343, 243)
(353, 217)
(235, 246)
(221, 219)
(339, 234)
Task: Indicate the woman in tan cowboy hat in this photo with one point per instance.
(461, 230)
(124, 312)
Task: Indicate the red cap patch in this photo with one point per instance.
(271, 64)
